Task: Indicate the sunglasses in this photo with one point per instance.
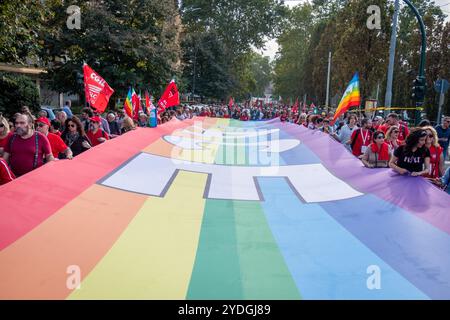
(380, 137)
(72, 125)
(430, 136)
(395, 131)
(40, 125)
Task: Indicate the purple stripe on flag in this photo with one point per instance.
(414, 194)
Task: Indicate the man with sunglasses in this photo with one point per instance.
(443, 132)
(57, 144)
(394, 120)
(26, 149)
(96, 134)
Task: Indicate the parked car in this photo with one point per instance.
(50, 111)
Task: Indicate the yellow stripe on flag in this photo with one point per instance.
(154, 257)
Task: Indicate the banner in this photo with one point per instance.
(168, 214)
(96, 89)
(169, 98)
(128, 105)
(351, 98)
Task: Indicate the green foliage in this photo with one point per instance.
(238, 23)
(314, 29)
(219, 41)
(126, 42)
(17, 91)
(21, 23)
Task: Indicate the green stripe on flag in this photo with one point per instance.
(216, 273)
(264, 272)
(237, 256)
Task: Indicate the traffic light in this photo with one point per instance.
(419, 89)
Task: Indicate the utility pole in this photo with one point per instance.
(388, 98)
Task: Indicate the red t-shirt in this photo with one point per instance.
(56, 143)
(4, 140)
(22, 153)
(404, 131)
(435, 158)
(6, 175)
(364, 138)
(94, 137)
(244, 117)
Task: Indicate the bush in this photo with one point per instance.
(17, 91)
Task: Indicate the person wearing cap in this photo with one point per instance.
(27, 148)
(103, 122)
(57, 144)
(96, 134)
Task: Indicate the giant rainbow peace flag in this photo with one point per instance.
(219, 209)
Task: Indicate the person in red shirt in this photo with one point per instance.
(6, 175)
(361, 138)
(393, 120)
(5, 133)
(437, 162)
(95, 134)
(26, 149)
(244, 116)
(57, 144)
(392, 138)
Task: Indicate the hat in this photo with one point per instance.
(96, 119)
(43, 120)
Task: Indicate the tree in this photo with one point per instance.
(17, 91)
(237, 26)
(339, 26)
(127, 42)
(240, 24)
(208, 69)
(21, 23)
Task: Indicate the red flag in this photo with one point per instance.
(136, 102)
(147, 102)
(296, 105)
(96, 89)
(169, 98)
(231, 103)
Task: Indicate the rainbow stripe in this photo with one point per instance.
(128, 106)
(221, 209)
(351, 97)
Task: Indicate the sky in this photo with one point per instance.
(272, 46)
